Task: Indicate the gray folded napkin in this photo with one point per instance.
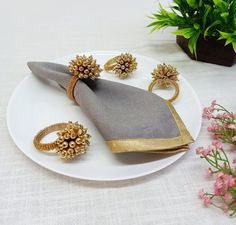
(129, 119)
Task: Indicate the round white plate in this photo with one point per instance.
(36, 104)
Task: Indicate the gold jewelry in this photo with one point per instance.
(82, 67)
(73, 139)
(165, 76)
(122, 65)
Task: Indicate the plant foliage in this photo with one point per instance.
(195, 18)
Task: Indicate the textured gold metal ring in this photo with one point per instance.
(71, 87)
(122, 65)
(170, 82)
(72, 140)
(82, 67)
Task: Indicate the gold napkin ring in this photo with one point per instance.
(82, 67)
(165, 76)
(73, 139)
(122, 65)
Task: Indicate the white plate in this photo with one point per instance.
(36, 104)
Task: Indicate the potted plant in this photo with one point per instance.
(206, 28)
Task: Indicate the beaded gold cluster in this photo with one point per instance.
(72, 141)
(125, 65)
(162, 73)
(84, 67)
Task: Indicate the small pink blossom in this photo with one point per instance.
(219, 116)
(234, 138)
(214, 136)
(217, 144)
(206, 200)
(213, 127)
(234, 160)
(209, 172)
(228, 196)
(230, 181)
(200, 150)
(218, 187)
(232, 126)
(201, 194)
(213, 103)
(226, 115)
(207, 112)
(224, 207)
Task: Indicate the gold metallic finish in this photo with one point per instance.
(163, 73)
(71, 87)
(173, 83)
(122, 65)
(165, 76)
(162, 145)
(82, 67)
(73, 140)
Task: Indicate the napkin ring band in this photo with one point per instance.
(72, 140)
(122, 65)
(166, 82)
(71, 87)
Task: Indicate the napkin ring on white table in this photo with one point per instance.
(165, 76)
(73, 139)
(122, 65)
(82, 67)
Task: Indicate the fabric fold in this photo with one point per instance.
(129, 119)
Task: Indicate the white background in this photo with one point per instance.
(48, 29)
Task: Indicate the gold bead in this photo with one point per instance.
(65, 144)
(72, 144)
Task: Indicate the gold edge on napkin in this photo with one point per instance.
(155, 145)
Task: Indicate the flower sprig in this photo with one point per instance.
(223, 123)
(223, 128)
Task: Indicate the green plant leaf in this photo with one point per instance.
(234, 46)
(192, 3)
(221, 5)
(206, 13)
(230, 38)
(192, 44)
(185, 32)
(217, 22)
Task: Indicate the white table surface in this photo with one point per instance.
(31, 195)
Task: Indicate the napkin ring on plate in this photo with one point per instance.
(82, 67)
(122, 65)
(165, 76)
(73, 139)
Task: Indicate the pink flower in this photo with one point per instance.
(234, 160)
(234, 138)
(232, 126)
(226, 115)
(228, 196)
(214, 136)
(217, 144)
(219, 116)
(200, 150)
(213, 103)
(206, 200)
(218, 187)
(201, 194)
(209, 172)
(208, 150)
(207, 112)
(213, 127)
(230, 181)
(224, 207)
